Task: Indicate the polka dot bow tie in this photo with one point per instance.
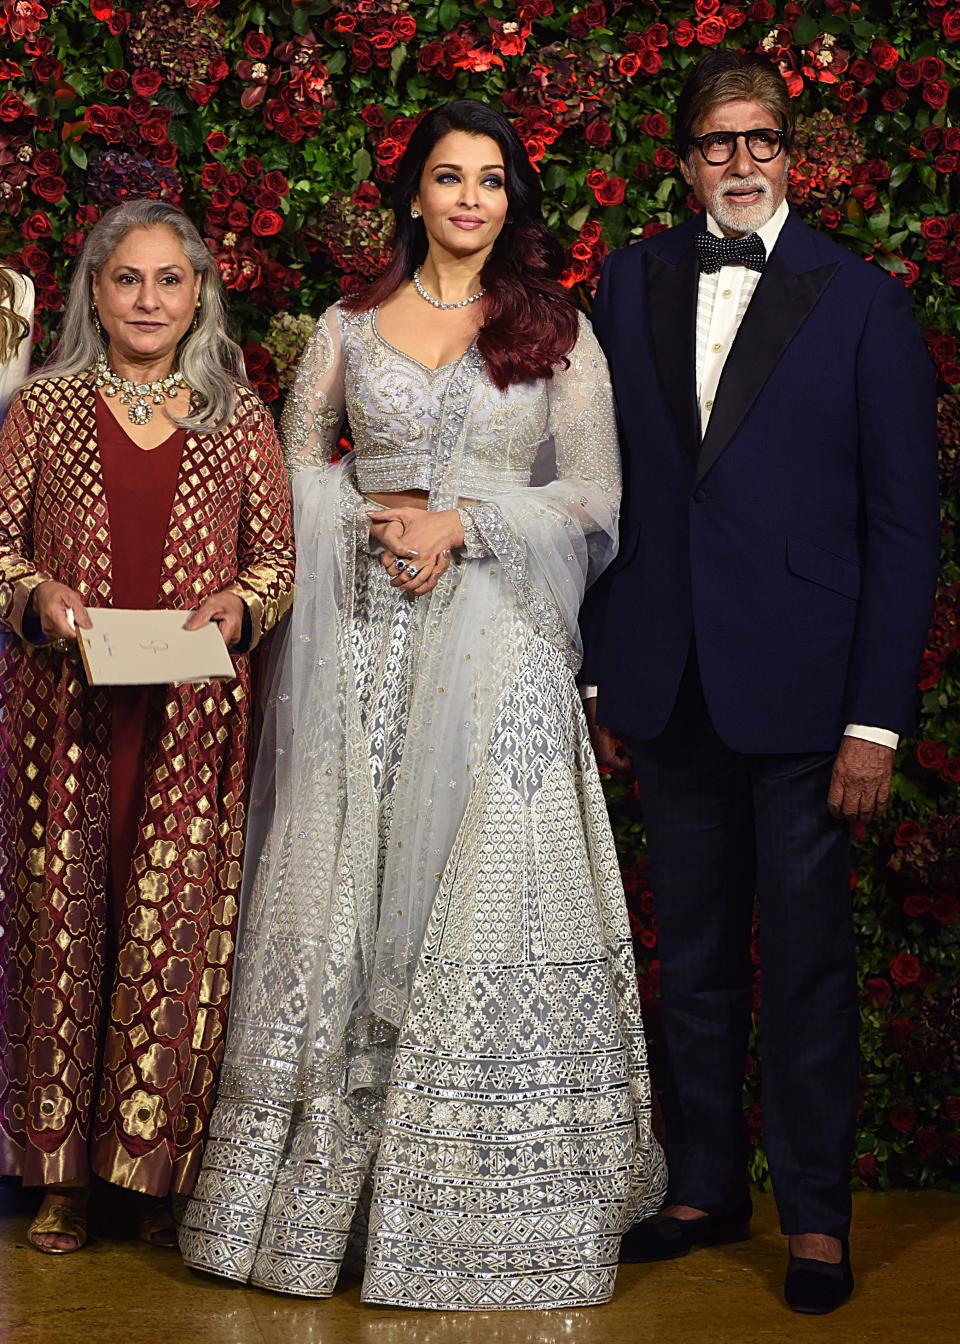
(715, 252)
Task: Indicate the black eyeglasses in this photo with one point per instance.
(720, 146)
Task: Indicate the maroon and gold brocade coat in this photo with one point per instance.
(137, 1114)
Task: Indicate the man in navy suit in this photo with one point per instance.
(755, 644)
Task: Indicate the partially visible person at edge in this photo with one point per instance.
(16, 332)
(438, 993)
(137, 470)
(756, 645)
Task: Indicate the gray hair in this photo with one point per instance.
(209, 360)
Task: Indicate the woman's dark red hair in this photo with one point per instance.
(530, 324)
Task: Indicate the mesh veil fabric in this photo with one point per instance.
(435, 1062)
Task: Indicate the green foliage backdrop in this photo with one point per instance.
(277, 126)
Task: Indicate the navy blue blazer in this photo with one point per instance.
(797, 541)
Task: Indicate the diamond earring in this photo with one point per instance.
(414, 212)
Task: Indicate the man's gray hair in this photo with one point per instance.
(209, 360)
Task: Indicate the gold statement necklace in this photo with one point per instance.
(139, 398)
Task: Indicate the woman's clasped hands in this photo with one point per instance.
(417, 545)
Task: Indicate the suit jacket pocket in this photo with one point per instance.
(812, 562)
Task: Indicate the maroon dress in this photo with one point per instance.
(140, 485)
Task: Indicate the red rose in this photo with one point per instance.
(146, 82)
(154, 132)
(830, 217)
(655, 125)
(950, 770)
(46, 161)
(344, 23)
(267, 200)
(951, 25)
(362, 54)
(935, 251)
(267, 223)
(705, 8)
(904, 969)
(233, 183)
(629, 65)
(12, 108)
(862, 71)
(907, 75)
(34, 258)
(211, 175)
(945, 909)
(664, 158)
(238, 216)
(883, 55)
(115, 81)
(684, 33)
(595, 14)
(867, 1167)
(200, 93)
(36, 225)
(50, 188)
(931, 137)
(165, 154)
(257, 46)
(253, 167)
(934, 228)
(931, 754)
(595, 178)
(951, 138)
(951, 1109)
(405, 27)
(936, 93)
(388, 151)
(930, 67)
(46, 69)
(118, 23)
(902, 1117)
(711, 32)
(598, 133)
(591, 231)
(657, 35)
(893, 99)
(217, 142)
(612, 191)
(650, 61)
(946, 163)
(275, 181)
(367, 196)
(431, 55)
(916, 905)
(878, 991)
(87, 214)
(372, 114)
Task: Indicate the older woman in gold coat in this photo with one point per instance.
(136, 470)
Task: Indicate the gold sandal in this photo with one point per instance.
(61, 1220)
(157, 1226)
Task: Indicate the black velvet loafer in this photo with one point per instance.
(815, 1287)
(666, 1238)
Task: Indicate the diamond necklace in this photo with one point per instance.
(461, 303)
(137, 397)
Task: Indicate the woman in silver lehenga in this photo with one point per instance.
(435, 1063)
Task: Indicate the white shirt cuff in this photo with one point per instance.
(588, 692)
(882, 736)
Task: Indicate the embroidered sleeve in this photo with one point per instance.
(265, 579)
(313, 413)
(583, 419)
(19, 468)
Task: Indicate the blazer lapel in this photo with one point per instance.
(672, 292)
(781, 303)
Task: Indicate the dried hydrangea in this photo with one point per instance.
(117, 175)
(178, 43)
(286, 337)
(825, 153)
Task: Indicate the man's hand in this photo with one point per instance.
(610, 754)
(55, 604)
(226, 609)
(860, 786)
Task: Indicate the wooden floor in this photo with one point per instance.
(118, 1291)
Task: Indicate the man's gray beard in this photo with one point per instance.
(738, 219)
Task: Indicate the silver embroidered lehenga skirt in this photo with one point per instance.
(488, 1149)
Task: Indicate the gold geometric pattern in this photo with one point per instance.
(229, 528)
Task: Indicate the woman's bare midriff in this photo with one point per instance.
(402, 499)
